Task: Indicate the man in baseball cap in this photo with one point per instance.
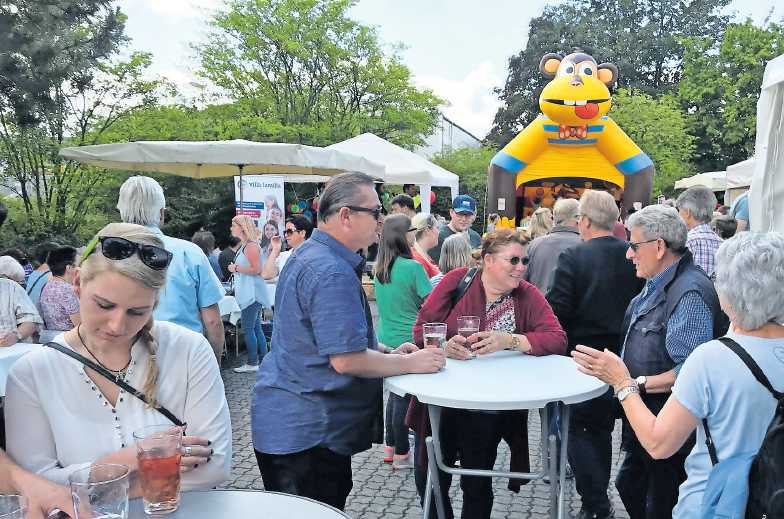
(463, 214)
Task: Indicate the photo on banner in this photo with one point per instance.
(263, 201)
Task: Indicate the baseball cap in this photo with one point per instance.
(464, 204)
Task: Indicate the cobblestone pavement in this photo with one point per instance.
(381, 493)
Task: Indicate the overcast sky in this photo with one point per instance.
(457, 48)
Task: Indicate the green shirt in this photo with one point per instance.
(399, 301)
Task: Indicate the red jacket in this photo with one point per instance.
(431, 269)
(533, 316)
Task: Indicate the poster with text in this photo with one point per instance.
(263, 201)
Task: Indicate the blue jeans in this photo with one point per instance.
(255, 341)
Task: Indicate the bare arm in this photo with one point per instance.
(27, 329)
(43, 495)
(660, 435)
(213, 329)
(270, 269)
(661, 383)
(253, 253)
(374, 364)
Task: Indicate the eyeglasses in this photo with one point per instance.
(115, 248)
(413, 229)
(634, 246)
(289, 232)
(514, 260)
(376, 211)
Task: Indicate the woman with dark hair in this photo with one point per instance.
(298, 229)
(401, 286)
(59, 305)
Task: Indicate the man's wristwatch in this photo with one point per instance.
(626, 391)
(641, 381)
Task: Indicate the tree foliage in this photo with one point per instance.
(305, 65)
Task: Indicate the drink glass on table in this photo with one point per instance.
(158, 454)
(434, 335)
(467, 325)
(100, 492)
(13, 506)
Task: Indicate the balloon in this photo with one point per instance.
(432, 197)
(303, 204)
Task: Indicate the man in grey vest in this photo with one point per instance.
(676, 311)
(543, 252)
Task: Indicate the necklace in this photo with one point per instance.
(118, 373)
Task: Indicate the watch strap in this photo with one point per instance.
(626, 391)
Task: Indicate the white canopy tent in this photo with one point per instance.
(715, 180)
(739, 177)
(402, 166)
(766, 199)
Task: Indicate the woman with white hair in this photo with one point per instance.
(541, 223)
(66, 407)
(714, 384)
(425, 238)
(19, 318)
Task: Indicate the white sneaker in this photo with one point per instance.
(246, 368)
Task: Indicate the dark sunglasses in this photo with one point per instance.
(115, 248)
(376, 212)
(289, 232)
(514, 260)
(634, 246)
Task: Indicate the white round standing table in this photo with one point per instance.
(501, 381)
(8, 356)
(231, 504)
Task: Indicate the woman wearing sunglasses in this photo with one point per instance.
(513, 316)
(298, 229)
(249, 287)
(62, 416)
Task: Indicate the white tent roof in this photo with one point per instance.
(766, 198)
(402, 166)
(740, 174)
(715, 180)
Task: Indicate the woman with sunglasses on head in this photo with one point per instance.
(298, 229)
(513, 315)
(62, 416)
(250, 288)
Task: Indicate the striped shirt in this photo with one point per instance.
(15, 306)
(703, 244)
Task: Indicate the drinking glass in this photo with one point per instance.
(467, 325)
(13, 506)
(100, 492)
(434, 335)
(158, 453)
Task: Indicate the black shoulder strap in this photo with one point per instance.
(738, 350)
(462, 287)
(31, 287)
(105, 373)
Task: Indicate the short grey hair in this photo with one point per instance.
(699, 201)
(342, 190)
(600, 208)
(660, 221)
(11, 269)
(749, 277)
(564, 210)
(141, 200)
(455, 253)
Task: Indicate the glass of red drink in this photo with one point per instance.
(467, 325)
(100, 491)
(434, 335)
(158, 454)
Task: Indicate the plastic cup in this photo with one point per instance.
(100, 492)
(434, 335)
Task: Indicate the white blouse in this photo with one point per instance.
(57, 420)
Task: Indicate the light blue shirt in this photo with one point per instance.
(35, 283)
(190, 284)
(716, 384)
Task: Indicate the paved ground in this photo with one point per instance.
(378, 491)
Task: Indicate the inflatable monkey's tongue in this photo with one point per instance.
(587, 111)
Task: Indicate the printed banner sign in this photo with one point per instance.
(263, 201)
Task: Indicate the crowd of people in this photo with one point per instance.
(640, 307)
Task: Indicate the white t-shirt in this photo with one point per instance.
(57, 421)
(281, 260)
(716, 384)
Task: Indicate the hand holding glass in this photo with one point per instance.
(467, 325)
(158, 453)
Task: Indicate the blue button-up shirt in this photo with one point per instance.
(190, 284)
(690, 324)
(300, 401)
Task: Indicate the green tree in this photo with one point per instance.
(642, 37)
(321, 77)
(720, 88)
(660, 128)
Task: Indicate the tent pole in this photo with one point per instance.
(242, 209)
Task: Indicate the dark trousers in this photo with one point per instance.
(648, 487)
(316, 473)
(476, 437)
(396, 429)
(590, 450)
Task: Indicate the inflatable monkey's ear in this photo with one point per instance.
(608, 73)
(549, 64)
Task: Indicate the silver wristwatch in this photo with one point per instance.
(628, 390)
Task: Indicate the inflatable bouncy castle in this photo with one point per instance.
(571, 147)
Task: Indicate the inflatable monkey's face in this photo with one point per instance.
(578, 93)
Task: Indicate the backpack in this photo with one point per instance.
(748, 485)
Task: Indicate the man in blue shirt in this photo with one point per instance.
(192, 292)
(318, 393)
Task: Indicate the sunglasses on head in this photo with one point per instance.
(376, 211)
(514, 260)
(114, 248)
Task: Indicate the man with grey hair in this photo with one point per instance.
(317, 399)
(592, 286)
(543, 252)
(677, 310)
(696, 205)
(192, 292)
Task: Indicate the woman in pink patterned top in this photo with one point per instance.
(59, 305)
